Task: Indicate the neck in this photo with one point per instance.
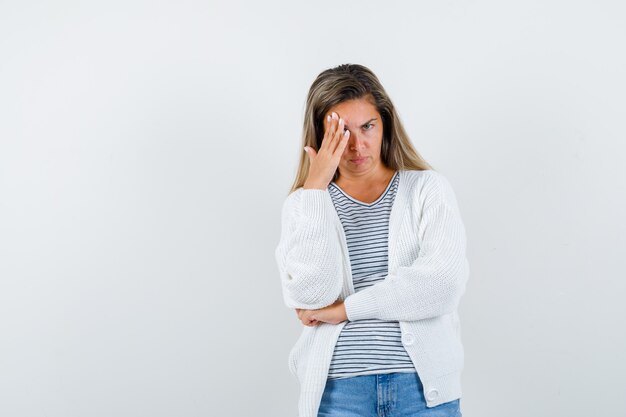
(377, 173)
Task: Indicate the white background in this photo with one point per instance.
(146, 149)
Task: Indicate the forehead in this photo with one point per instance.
(355, 111)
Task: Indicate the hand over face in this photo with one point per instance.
(324, 161)
(333, 314)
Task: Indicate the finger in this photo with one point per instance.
(328, 141)
(327, 125)
(338, 137)
(311, 153)
(309, 318)
(341, 144)
(339, 126)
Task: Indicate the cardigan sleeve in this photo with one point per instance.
(433, 284)
(309, 253)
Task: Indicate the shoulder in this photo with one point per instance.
(427, 178)
(304, 195)
(429, 185)
(307, 201)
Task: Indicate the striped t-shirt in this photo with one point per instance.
(372, 346)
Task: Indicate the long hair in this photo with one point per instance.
(349, 82)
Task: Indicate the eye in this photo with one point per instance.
(367, 124)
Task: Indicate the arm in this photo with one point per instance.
(433, 284)
(309, 252)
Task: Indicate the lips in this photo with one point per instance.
(357, 160)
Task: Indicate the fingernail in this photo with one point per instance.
(334, 115)
(328, 118)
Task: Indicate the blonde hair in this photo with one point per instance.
(350, 82)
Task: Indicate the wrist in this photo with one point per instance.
(312, 185)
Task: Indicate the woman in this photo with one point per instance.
(372, 258)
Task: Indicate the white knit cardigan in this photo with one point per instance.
(428, 272)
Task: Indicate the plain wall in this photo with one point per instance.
(146, 149)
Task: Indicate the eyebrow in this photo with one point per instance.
(370, 120)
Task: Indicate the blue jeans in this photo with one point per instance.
(393, 394)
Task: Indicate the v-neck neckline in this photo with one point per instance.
(384, 193)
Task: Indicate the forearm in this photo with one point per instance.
(431, 285)
(308, 254)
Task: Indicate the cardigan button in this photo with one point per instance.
(407, 338)
(432, 394)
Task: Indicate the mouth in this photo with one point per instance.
(358, 160)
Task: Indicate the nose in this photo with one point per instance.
(355, 142)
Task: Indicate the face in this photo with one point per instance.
(362, 153)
